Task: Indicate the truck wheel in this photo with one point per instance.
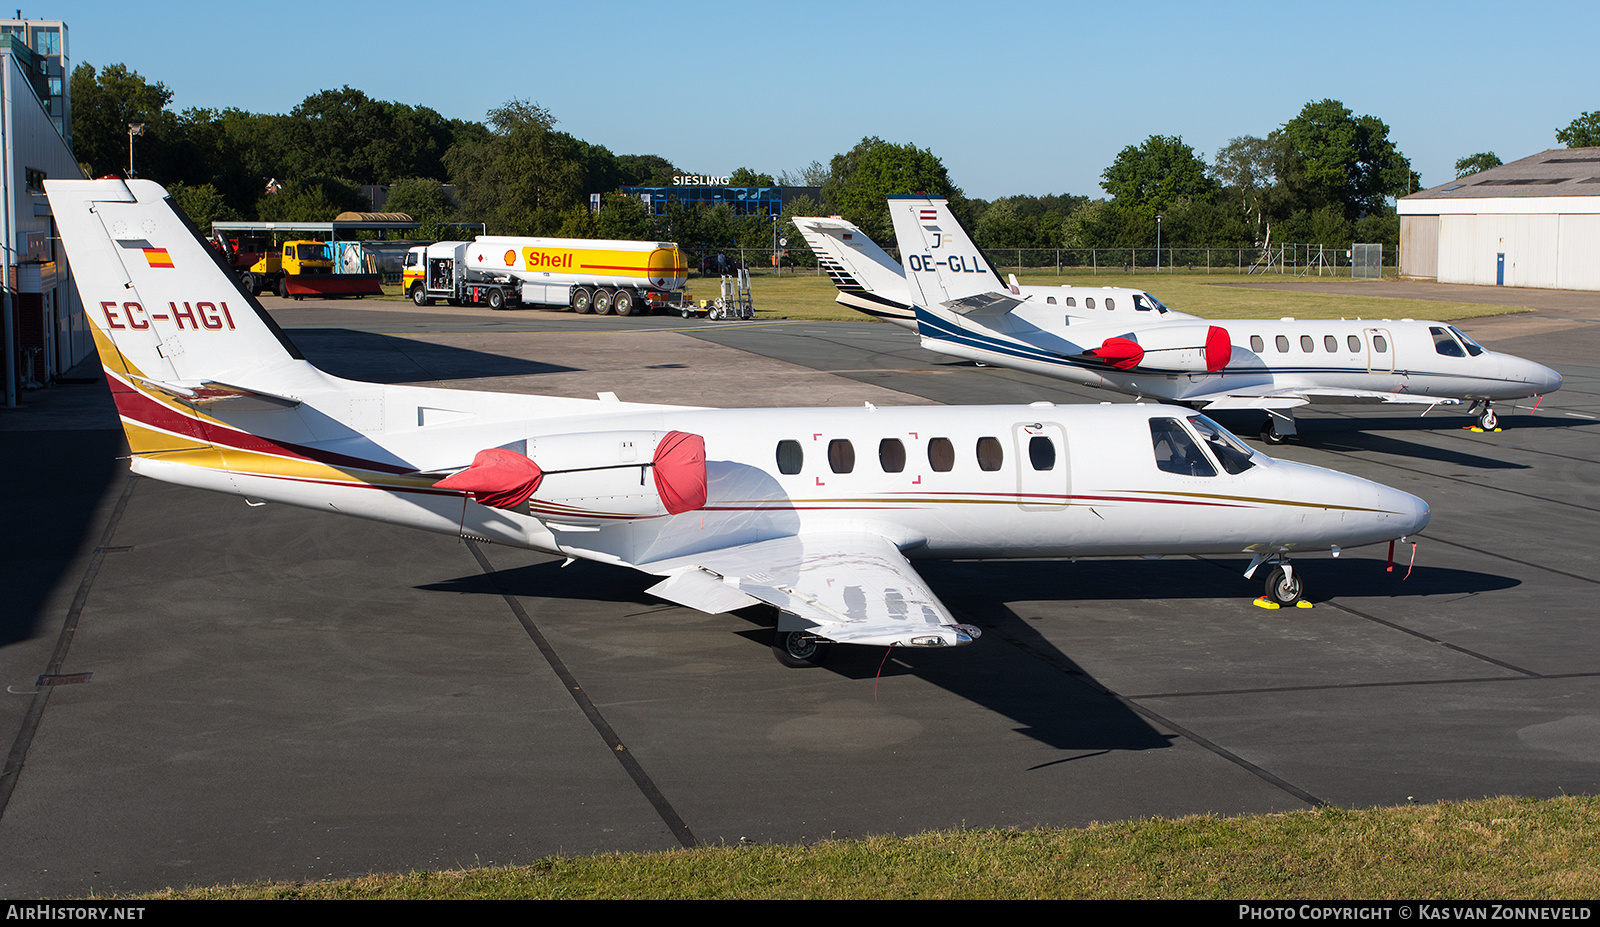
(622, 303)
(497, 299)
(283, 287)
(247, 282)
(582, 301)
(602, 302)
(420, 295)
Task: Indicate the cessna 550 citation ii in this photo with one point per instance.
(1275, 366)
(872, 282)
(814, 511)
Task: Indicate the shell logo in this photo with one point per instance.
(511, 258)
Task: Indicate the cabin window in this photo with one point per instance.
(1444, 344)
(1283, 344)
(790, 457)
(1331, 343)
(1042, 453)
(1473, 347)
(1088, 302)
(841, 455)
(1256, 344)
(411, 259)
(891, 455)
(1071, 301)
(1110, 304)
(941, 455)
(1354, 343)
(1050, 299)
(1235, 457)
(1308, 343)
(1175, 451)
(1380, 344)
(990, 454)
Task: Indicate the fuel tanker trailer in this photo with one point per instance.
(589, 275)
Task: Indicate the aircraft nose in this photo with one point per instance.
(1548, 380)
(1414, 512)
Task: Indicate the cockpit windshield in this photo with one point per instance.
(1473, 347)
(1230, 451)
(1144, 302)
(1176, 451)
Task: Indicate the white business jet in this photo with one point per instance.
(872, 282)
(814, 511)
(1275, 366)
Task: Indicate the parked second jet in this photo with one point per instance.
(963, 310)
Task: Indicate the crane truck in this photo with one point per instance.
(586, 275)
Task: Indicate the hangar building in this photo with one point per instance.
(1533, 222)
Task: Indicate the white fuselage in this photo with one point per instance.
(1103, 493)
(1403, 357)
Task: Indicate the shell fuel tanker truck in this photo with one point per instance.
(624, 277)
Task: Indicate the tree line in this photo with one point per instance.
(1326, 176)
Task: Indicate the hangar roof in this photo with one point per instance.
(1557, 172)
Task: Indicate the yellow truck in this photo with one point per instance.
(301, 268)
(586, 275)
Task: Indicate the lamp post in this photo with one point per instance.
(134, 128)
(1158, 243)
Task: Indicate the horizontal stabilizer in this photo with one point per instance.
(208, 393)
(983, 305)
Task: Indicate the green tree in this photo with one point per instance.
(863, 177)
(1472, 164)
(1333, 158)
(746, 177)
(104, 103)
(203, 204)
(645, 171)
(1248, 169)
(525, 176)
(1583, 132)
(1159, 174)
(314, 199)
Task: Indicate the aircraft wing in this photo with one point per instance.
(1284, 398)
(853, 588)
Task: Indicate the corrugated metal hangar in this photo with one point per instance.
(1533, 222)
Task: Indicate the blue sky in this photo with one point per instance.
(1014, 96)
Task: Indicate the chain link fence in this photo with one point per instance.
(1292, 259)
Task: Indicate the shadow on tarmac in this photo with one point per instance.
(376, 358)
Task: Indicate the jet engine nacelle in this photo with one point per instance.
(591, 477)
(1179, 347)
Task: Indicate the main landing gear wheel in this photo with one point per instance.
(1270, 433)
(1285, 587)
(799, 649)
(1488, 421)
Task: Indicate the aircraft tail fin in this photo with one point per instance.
(868, 279)
(942, 264)
(160, 303)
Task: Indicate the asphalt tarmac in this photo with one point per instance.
(199, 692)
